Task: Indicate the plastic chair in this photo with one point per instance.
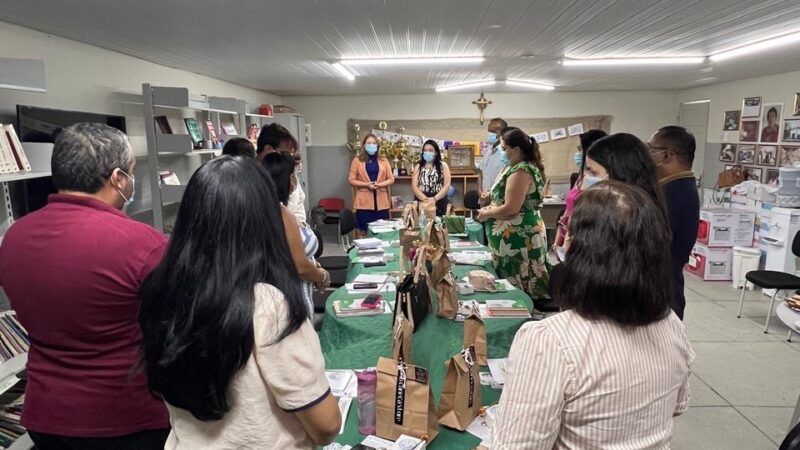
(770, 279)
(332, 206)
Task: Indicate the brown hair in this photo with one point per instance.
(363, 155)
(528, 145)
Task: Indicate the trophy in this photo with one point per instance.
(355, 146)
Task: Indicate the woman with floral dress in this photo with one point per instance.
(513, 222)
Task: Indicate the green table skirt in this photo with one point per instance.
(474, 233)
(357, 342)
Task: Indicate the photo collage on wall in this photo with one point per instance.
(768, 138)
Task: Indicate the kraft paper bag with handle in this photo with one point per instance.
(441, 267)
(447, 297)
(460, 402)
(437, 235)
(409, 237)
(475, 336)
(404, 401)
(428, 209)
(410, 215)
(402, 339)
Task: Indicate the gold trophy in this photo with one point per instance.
(355, 145)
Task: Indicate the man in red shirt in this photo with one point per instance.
(72, 271)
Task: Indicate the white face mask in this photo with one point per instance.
(128, 201)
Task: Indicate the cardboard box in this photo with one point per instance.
(726, 227)
(710, 264)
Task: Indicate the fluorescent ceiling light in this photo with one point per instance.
(766, 44)
(413, 60)
(633, 61)
(695, 102)
(530, 85)
(472, 84)
(343, 70)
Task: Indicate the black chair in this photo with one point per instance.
(770, 279)
(472, 201)
(329, 263)
(347, 223)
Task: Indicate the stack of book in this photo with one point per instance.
(10, 428)
(353, 307)
(13, 337)
(368, 243)
(12, 156)
(507, 308)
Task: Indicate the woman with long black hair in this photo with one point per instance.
(430, 180)
(226, 338)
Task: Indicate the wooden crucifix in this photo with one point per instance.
(482, 102)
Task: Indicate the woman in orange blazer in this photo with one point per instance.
(370, 175)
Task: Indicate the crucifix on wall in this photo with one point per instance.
(482, 102)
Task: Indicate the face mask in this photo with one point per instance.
(561, 253)
(128, 201)
(371, 148)
(491, 138)
(503, 157)
(428, 156)
(591, 181)
(579, 159)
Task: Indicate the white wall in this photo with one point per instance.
(639, 113)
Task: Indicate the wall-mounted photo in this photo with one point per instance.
(773, 177)
(791, 130)
(790, 156)
(796, 104)
(749, 131)
(753, 173)
(731, 121)
(771, 122)
(727, 152)
(767, 155)
(751, 107)
(746, 154)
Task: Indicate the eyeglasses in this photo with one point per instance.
(654, 149)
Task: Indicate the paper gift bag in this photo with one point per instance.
(437, 235)
(447, 297)
(460, 402)
(475, 336)
(402, 339)
(428, 209)
(441, 267)
(410, 236)
(410, 215)
(404, 401)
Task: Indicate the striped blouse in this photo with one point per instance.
(310, 245)
(576, 383)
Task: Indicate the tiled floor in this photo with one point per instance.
(745, 383)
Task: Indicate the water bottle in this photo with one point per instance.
(367, 383)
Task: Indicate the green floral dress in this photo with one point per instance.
(519, 245)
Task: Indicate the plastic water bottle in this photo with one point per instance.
(367, 384)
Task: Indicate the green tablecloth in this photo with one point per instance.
(474, 233)
(356, 343)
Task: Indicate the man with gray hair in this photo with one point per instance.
(72, 271)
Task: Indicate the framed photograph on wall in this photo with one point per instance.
(789, 155)
(771, 122)
(461, 158)
(727, 152)
(773, 177)
(541, 138)
(767, 155)
(749, 130)
(753, 173)
(731, 121)
(791, 130)
(746, 154)
(796, 105)
(751, 107)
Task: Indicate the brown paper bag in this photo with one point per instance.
(441, 267)
(447, 297)
(437, 235)
(410, 215)
(404, 402)
(460, 402)
(475, 336)
(428, 209)
(402, 339)
(409, 236)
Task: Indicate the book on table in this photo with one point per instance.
(368, 243)
(353, 307)
(507, 308)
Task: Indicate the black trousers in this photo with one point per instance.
(143, 440)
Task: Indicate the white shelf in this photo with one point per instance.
(171, 193)
(27, 175)
(23, 443)
(262, 116)
(13, 366)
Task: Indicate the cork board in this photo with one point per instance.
(558, 154)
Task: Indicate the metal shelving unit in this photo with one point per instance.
(39, 158)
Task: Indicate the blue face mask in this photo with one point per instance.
(591, 181)
(371, 148)
(428, 156)
(491, 138)
(578, 159)
(503, 157)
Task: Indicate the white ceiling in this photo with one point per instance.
(286, 46)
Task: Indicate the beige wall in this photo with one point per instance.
(639, 113)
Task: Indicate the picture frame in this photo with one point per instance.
(791, 130)
(772, 178)
(751, 107)
(194, 130)
(730, 120)
(163, 124)
(767, 155)
(461, 158)
(575, 130)
(727, 153)
(771, 122)
(749, 130)
(789, 155)
(558, 133)
(753, 173)
(796, 108)
(746, 154)
(541, 138)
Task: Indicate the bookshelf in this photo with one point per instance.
(39, 155)
(23, 443)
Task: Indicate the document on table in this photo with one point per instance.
(481, 428)
(378, 278)
(383, 287)
(370, 259)
(342, 382)
(344, 408)
(380, 230)
(498, 369)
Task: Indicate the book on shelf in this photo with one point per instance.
(21, 158)
(507, 308)
(13, 337)
(163, 124)
(169, 178)
(229, 129)
(7, 163)
(397, 202)
(194, 130)
(353, 307)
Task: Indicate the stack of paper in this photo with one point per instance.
(378, 278)
(497, 367)
(368, 243)
(383, 287)
(377, 251)
(507, 308)
(353, 307)
(473, 258)
(460, 243)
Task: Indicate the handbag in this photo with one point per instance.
(731, 177)
(413, 296)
